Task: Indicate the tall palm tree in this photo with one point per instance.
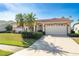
(78, 20)
(70, 16)
(19, 19)
(62, 17)
(30, 20)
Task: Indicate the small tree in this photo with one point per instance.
(9, 28)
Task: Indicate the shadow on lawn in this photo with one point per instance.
(49, 48)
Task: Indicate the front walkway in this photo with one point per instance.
(51, 46)
(10, 48)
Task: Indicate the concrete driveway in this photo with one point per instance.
(51, 46)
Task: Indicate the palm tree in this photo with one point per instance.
(70, 16)
(30, 20)
(62, 17)
(19, 19)
(78, 20)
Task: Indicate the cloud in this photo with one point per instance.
(20, 8)
(13, 9)
(41, 11)
(7, 16)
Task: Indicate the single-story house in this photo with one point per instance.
(4, 24)
(17, 28)
(76, 27)
(54, 26)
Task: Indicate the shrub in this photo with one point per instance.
(29, 34)
(41, 31)
(26, 34)
(73, 35)
(3, 31)
(9, 28)
(72, 31)
(34, 35)
(37, 35)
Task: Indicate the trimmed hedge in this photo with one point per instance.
(73, 35)
(26, 34)
(72, 31)
(33, 35)
(5, 32)
(41, 31)
(37, 35)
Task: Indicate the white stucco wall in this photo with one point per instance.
(19, 29)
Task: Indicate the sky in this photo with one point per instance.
(42, 10)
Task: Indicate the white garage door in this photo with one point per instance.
(56, 29)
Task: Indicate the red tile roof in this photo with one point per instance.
(54, 20)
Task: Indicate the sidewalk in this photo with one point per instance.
(10, 48)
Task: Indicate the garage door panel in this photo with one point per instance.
(56, 29)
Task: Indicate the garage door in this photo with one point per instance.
(56, 29)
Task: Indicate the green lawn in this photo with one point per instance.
(29, 42)
(76, 39)
(5, 53)
(11, 39)
(14, 39)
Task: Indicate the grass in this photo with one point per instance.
(15, 39)
(11, 39)
(5, 53)
(76, 39)
(28, 42)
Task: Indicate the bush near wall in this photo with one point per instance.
(72, 31)
(33, 35)
(26, 34)
(37, 35)
(73, 35)
(41, 31)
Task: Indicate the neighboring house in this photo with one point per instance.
(55, 26)
(76, 27)
(17, 28)
(4, 24)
